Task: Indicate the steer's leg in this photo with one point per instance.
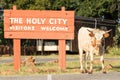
(91, 63)
(81, 60)
(86, 62)
(102, 63)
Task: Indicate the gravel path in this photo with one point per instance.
(38, 60)
(94, 76)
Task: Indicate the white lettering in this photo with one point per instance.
(26, 28)
(35, 20)
(51, 21)
(57, 21)
(16, 20)
(43, 20)
(64, 21)
(54, 28)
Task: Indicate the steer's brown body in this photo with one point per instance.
(91, 41)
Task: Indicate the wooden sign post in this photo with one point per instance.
(36, 24)
(17, 54)
(62, 54)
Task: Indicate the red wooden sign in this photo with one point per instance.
(36, 24)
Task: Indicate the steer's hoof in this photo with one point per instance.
(90, 72)
(82, 71)
(104, 72)
(86, 71)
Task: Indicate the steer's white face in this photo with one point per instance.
(98, 35)
(97, 39)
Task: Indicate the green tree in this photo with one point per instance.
(41, 5)
(87, 8)
(33, 4)
(7, 4)
(97, 8)
(68, 4)
(24, 4)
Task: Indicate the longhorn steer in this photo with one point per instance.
(91, 41)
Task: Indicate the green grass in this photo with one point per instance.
(114, 51)
(52, 67)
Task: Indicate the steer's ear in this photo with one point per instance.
(91, 34)
(106, 35)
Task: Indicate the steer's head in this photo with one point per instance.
(97, 37)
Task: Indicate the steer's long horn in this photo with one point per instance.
(91, 33)
(108, 31)
(90, 30)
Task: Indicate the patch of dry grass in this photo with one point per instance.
(52, 68)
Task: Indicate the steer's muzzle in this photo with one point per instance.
(96, 50)
(98, 43)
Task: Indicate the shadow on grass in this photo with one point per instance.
(73, 68)
(116, 68)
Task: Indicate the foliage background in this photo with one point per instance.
(88, 8)
(107, 9)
